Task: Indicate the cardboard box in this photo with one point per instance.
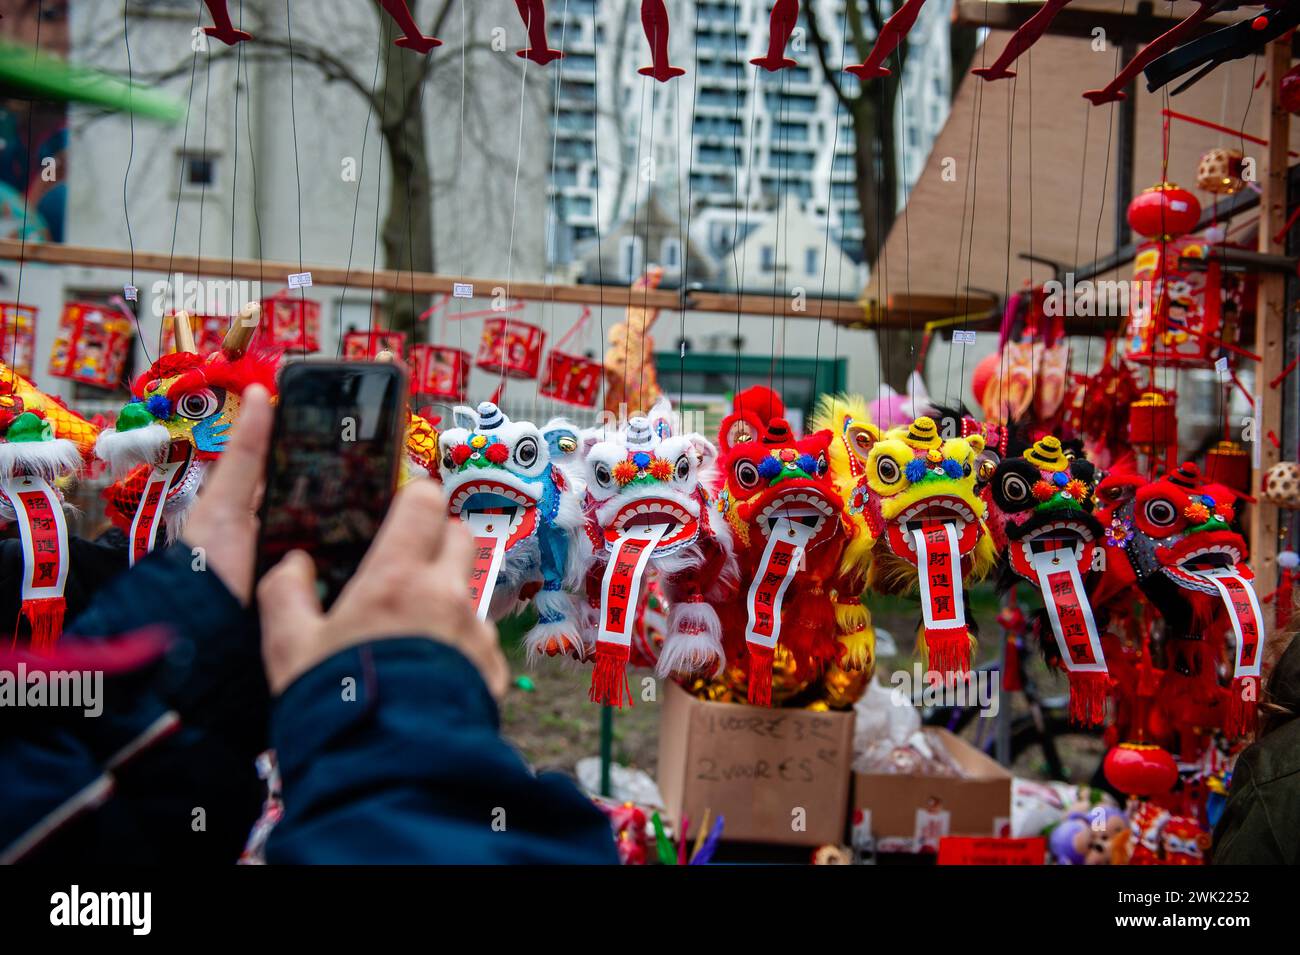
(777, 775)
(908, 813)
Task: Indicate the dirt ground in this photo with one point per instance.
(548, 716)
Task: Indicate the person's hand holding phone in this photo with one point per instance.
(413, 581)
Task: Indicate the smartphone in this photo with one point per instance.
(332, 470)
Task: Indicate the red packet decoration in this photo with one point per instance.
(891, 35)
(620, 592)
(533, 13)
(18, 336)
(1242, 608)
(439, 372)
(510, 348)
(92, 345)
(179, 419)
(918, 497)
(509, 481)
(654, 21)
(780, 502)
(491, 529)
(32, 459)
(645, 475)
(1044, 500)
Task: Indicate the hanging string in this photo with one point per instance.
(27, 172)
(636, 211)
(180, 185)
(385, 38)
(242, 64)
(514, 207)
(126, 176)
(739, 265)
(684, 231)
(1005, 359)
(410, 235)
(201, 306)
(297, 174)
(978, 133)
(550, 220)
(600, 259)
(907, 229)
(776, 239)
(460, 155)
(826, 243)
(356, 200)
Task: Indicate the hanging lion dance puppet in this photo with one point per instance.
(1177, 537)
(648, 506)
(180, 416)
(44, 446)
(507, 481)
(921, 522)
(786, 519)
(1049, 537)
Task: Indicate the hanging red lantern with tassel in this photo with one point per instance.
(510, 348)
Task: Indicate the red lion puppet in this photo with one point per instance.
(784, 513)
(1177, 538)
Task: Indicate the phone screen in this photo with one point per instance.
(333, 465)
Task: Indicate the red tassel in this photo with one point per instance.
(609, 676)
(1243, 710)
(760, 674)
(1011, 681)
(1088, 692)
(949, 650)
(45, 615)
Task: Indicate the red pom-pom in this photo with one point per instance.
(497, 453)
(460, 454)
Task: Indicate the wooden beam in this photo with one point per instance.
(1270, 315)
(842, 311)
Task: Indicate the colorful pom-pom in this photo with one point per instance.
(497, 453)
(460, 454)
(1196, 512)
(625, 472)
(915, 470)
(159, 406)
(807, 463)
(953, 469)
(769, 468)
(661, 470)
(1043, 490)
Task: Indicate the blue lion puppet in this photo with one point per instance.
(509, 481)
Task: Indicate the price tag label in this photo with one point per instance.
(462, 290)
(130, 293)
(963, 336)
(1221, 367)
(300, 280)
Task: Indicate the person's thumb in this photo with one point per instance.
(291, 613)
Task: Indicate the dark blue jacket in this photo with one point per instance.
(411, 768)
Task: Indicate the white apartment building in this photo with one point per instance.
(731, 141)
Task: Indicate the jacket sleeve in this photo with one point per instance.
(1245, 834)
(390, 753)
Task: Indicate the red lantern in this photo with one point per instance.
(18, 336)
(1140, 769)
(209, 332)
(1153, 421)
(92, 345)
(364, 346)
(1164, 211)
(572, 379)
(290, 322)
(440, 372)
(511, 348)
(1228, 463)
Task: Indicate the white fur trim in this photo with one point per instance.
(48, 460)
(693, 644)
(123, 450)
